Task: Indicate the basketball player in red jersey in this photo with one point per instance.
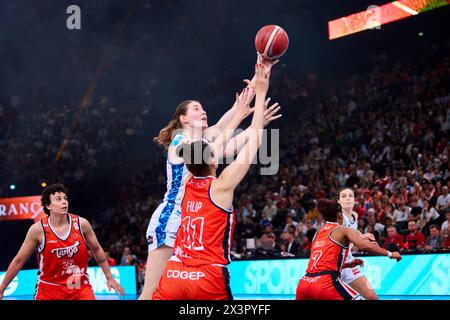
(62, 241)
(329, 251)
(197, 270)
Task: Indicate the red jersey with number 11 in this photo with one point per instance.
(326, 254)
(206, 231)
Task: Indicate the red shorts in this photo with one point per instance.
(45, 291)
(182, 282)
(325, 285)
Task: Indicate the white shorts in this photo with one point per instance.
(348, 275)
(163, 226)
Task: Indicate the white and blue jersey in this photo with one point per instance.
(165, 221)
(348, 275)
(350, 224)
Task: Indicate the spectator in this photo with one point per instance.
(445, 224)
(287, 246)
(292, 247)
(270, 209)
(393, 241)
(443, 201)
(428, 216)
(249, 211)
(414, 239)
(377, 227)
(447, 238)
(435, 239)
(267, 240)
(300, 229)
(264, 222)
(289, 223)
(128, 259)
(402, 215)
(361, 225)
(305, 245)
(311, 231)
(312, 212)
(248, 228)
(111, 261)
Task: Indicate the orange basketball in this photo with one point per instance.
(271, 41)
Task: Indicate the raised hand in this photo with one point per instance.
(243, 101)
(271, 113)
(266, 63)
(260, 83)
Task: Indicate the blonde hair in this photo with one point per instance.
(164, 137)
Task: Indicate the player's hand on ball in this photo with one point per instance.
(112, 283)
(396, 255)
(268, 64)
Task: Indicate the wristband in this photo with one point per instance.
(389, 254)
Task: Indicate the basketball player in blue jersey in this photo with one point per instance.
(189, 123)
(351, 274)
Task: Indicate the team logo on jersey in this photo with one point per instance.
(75, 225)
(67, 251)
(198, 183)
(172, 236)
(150, 240)
(311, 279)
(319, 244)
(356, 271)
(180, 253)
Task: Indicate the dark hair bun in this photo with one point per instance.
(328, 209)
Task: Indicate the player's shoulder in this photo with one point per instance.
(36, 226)
(355, 214)
(83, 221)
(36, 229)
(344, 228)
(178, 139)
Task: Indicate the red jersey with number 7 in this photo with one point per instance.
(206, 231)
(326, 253)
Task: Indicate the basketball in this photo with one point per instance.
(271, 41)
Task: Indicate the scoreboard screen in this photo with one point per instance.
(376, 16)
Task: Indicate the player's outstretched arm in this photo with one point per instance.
(243, 109)
(99, 255)
(29, 245)
(212, 132)
(236, 171)
(236, 143)
(366, 245)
